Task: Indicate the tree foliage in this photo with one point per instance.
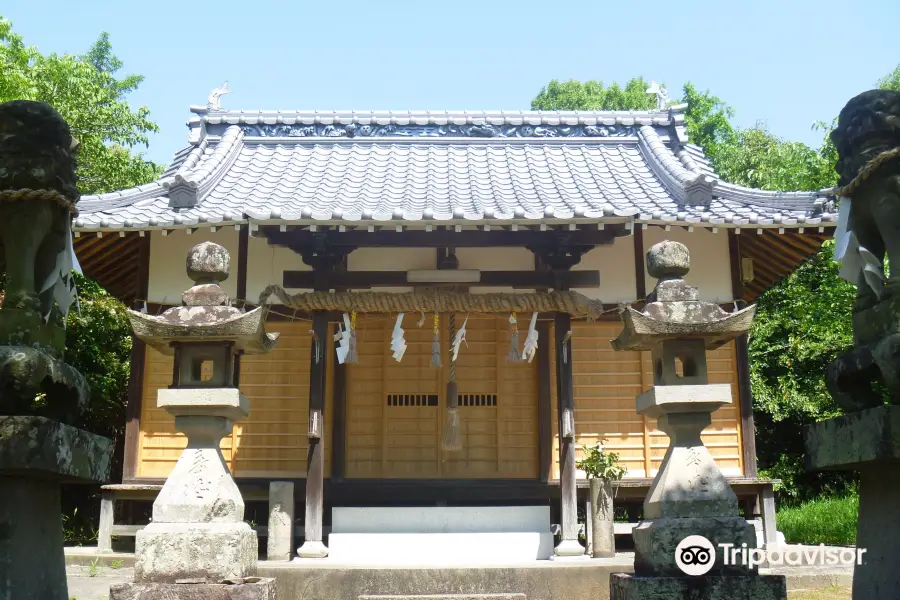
(594, 95)
(92, 99)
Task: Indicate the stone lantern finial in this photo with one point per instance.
(207, 266)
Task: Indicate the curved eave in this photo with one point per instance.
(643, 332)
(246, 331)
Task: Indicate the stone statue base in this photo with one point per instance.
(655, 542)
(867, 441)
(264, 589)
(36, 456)
(213, 552)
(624, 586)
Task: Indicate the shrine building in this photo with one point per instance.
(475, 220)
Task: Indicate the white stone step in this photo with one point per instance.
(440, 535)
(415, 549)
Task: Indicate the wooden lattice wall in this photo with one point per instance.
(272, 441)
(606, 383)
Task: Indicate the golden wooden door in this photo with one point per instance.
(396, 411)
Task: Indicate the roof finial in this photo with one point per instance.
(213, 100)
(662, 96)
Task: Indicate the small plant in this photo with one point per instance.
(94, 568)
(598, 463)
(116, 564)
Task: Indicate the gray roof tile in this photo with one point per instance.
(633, 172)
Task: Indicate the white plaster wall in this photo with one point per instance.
(616, 265)
(266, 265)
(496, 259)
(392, 259)
(710, 260)
(168, 257)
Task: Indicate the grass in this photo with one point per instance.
(825, 521)
(829, 593)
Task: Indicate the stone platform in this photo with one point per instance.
(92, 574)
(263, 589)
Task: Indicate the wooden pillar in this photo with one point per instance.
(136, 378)
(545, 406)
(242, 258)
(742, 358)
(339, 423)
(565, 398)
(313, 547)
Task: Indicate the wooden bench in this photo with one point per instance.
(110, 494)
(756, 496)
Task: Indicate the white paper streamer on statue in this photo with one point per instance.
(531, 340)
(398, 344)
(853, 257)
(342, 340)
(459, 338)
(61, 280)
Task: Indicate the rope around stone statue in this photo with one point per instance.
(573, 303)
(27, 194)
(867, 171)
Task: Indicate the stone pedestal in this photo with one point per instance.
(280, 539)
(867, 441)
(198, 530)
(689, 495)
(601, 519)
(263, 589)
(36, 456)
(623, 586)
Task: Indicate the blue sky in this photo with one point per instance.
(787, 63)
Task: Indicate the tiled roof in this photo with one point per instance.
(482, 167)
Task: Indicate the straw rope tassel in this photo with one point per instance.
(451, 442)
(436, 343)
(514, 354)
(352, 354)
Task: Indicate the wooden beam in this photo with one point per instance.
(545, 407)
(565, 399)
(516, 279)
(441, 237)
(640, 280)
(136, 378)
(339, 423)
(742, 358)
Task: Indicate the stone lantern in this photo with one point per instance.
(689, 495)
(197, 533)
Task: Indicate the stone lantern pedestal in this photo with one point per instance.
(198, 531)
(691, 519)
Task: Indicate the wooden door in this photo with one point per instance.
(396, 411)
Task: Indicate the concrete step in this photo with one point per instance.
(439, 548)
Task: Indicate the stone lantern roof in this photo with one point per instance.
(673, 309)
(205, 315)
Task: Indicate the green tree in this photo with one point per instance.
(91, 98)
(593, 95)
